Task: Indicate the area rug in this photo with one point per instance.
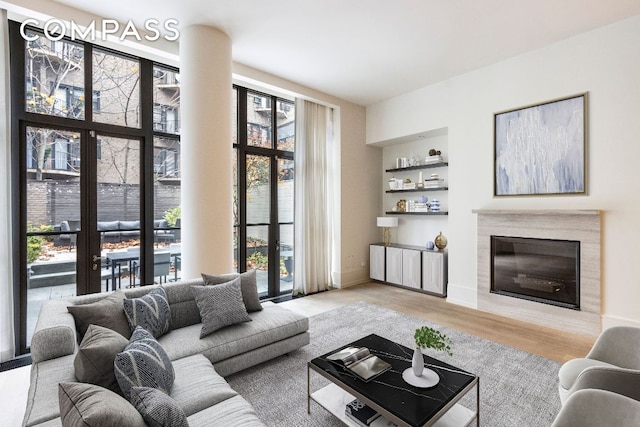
(516, 388)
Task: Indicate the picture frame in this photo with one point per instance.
(541, 149)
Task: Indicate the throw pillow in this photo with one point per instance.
(158, 409)
(247, 283)
(107, 312)
(83, 405)
(220, 306)
(94, 361)
(143, 363)
(151, 311)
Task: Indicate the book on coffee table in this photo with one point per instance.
(360, 361)
(360, 413)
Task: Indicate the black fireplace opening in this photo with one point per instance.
(542, 270)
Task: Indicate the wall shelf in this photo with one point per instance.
(417, 213)
(419, 189)
(415, 168)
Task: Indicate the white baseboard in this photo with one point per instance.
(462, 295)
(608, 321)
(350, 278)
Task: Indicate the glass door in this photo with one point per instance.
(263, 189)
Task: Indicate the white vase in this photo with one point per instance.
(417, 363)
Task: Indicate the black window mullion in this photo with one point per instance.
(242, 178)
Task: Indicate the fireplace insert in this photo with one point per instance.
(542, 270)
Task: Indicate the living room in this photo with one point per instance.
(456, 113)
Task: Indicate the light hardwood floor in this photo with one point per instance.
(545, 342)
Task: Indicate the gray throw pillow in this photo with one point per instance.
(151, 311)
(220, 306)
(143, 363)
(247, 282)
(107, 312)
(83, 405)
(94, 361)
(158, 409)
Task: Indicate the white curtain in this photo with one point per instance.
(313, 223)
(7, 342)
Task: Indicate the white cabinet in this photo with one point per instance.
(434, 272)
(394, 265)
(376, 262)
(409, 266)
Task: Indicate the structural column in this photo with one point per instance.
(206, 168)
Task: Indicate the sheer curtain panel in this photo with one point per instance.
(313, 228)
(7, 341)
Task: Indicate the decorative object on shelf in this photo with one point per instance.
(387, 222)
(430, 245)
(434, 152)
(435, 205)
(426, 337)
(414, 160)
(540, 149)
(401, 205)
(440, 241)
(420, 180)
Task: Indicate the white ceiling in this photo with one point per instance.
(366, 51)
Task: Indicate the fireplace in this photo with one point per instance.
(541, 270)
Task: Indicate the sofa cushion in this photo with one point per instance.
(157, 409)
(107, 312)
(198, 385)
(85, 405)
(268, 326)
(143, 363)
(150, 311)
(234, 412)
(129, 225)
(94, 361)
(220, 306)
(248, 284)
(108, 225)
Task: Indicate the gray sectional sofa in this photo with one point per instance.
(200, 364)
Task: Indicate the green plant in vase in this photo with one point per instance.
(426, 337)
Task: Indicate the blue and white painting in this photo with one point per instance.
(540, 149)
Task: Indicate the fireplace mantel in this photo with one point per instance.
(536, 212)
(580, 225)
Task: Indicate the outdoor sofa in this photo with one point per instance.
(199, 363)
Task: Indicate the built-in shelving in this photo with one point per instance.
(413, 190)
(417, 213)
(415, 168)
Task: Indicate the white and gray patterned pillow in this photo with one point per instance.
(151, 311)
(220, 306)
(143, 363)
(158, 409)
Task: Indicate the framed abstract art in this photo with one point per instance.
(541, 149)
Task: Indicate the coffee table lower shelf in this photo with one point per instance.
(334, 399)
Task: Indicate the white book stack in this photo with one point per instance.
(420, 207)
(432, 159)
(433, 183)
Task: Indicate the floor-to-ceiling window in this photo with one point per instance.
(96, 134)
(264, 146)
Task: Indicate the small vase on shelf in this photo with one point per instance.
(440, 241)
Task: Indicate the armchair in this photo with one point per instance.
(613, 364)
(598, 408)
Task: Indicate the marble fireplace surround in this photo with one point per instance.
(581, 225)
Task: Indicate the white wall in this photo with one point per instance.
(606, 64)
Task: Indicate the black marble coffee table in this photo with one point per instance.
(390, 395)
